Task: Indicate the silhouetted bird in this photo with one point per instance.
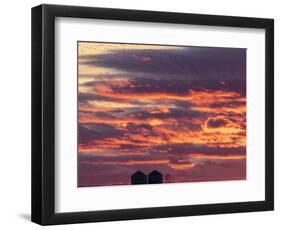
(155, 177)
(138, 178)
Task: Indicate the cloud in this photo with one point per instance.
(216, 122)
(89, 132)
(94, 173)
(173, 61)
(204, 67)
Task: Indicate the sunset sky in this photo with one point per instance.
(178, 110)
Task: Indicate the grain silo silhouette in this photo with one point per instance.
(155, 177)
(139, 178)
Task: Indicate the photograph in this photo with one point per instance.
(153, 114)
(140, 114)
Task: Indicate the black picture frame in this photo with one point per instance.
(43, 114)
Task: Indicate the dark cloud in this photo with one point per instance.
(176, 113)
(91, 132)
(186, 149)
(216, 122)
(93, 173)
(85, 97)
(205, 67)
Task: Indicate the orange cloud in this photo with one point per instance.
(220, 110)
(181, 166)
(123, 122)
(226, 126)
(230, 134)
(199, 97)
(216, 157)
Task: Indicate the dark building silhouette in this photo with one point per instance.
(138, 178)
(155, 177)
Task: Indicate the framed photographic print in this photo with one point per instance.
(142, 114)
